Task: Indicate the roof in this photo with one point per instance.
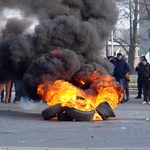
(115, 43)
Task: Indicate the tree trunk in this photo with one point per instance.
(133, 35)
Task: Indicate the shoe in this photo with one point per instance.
(149, 102)
(144, 102)
(6, 101)
(137, 97)
(126, 100)
(123, 100)
(16, 102)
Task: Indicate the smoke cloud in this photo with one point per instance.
(70, 34)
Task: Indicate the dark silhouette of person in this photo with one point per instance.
(145, 76)
(139, 78)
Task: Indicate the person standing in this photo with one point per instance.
(121, 68)
(127, 80)
(7, 95)
(2, 96)
(139, 79)
(19, 91)
(145, 76)
(111, 59)
(10, 95)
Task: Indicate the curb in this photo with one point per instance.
(46, 148)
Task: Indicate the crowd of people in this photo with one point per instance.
(143, 80)
(7, 87)
(121, 73)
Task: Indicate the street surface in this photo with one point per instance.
(22, 128)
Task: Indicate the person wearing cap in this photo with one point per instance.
(121, 68)
(139, 78)
(145, 76)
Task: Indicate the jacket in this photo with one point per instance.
(139, 69)
(121, 68)
(145, 71)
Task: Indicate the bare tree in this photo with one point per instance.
(133, 33)
(136, 13)
(129, 10)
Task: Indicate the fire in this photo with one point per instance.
(65, 93)
(103, 88)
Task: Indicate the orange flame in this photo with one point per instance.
(102, 88)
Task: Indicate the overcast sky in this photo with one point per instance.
(14, 13)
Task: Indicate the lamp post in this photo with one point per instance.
(112, 43)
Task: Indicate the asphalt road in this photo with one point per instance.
(22, 127)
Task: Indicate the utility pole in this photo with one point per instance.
(107, 52)
(112, 43)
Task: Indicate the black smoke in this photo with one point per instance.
(74, 30)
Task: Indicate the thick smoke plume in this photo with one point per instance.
(70, 34)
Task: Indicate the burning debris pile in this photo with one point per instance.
(67, 42)
(89, 93)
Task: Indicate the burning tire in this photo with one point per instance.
(64, 117)
(79, 115)
(105, 111)
(51, 112)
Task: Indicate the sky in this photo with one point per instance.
(16, 13)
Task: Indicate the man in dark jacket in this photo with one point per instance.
(139, 79)
(145, 76)
(121, 68)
